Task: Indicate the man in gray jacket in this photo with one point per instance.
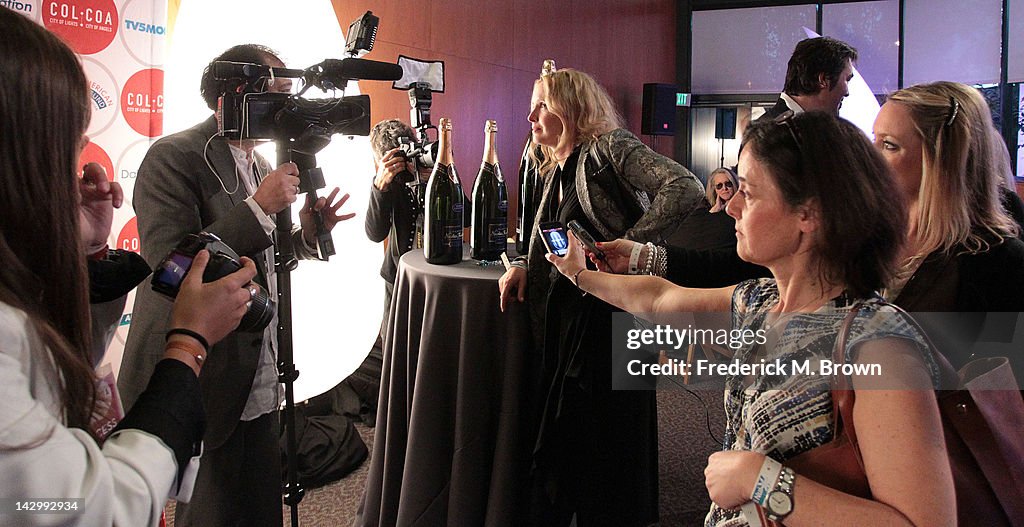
(197, 180)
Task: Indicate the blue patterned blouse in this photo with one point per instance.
(783, 416)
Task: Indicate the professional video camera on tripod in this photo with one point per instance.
(300, 128)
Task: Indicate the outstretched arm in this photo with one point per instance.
(638, 294)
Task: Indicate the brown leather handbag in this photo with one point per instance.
(982, 420)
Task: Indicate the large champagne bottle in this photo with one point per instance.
(442, 226)
(527, 188)
(490, 202)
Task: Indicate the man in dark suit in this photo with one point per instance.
(816, 77)
(193, 181)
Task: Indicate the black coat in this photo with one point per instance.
(970, 293)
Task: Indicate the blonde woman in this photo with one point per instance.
(961, 253)
(721, 187)
(596, 451)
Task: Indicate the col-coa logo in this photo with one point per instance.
(88, 26)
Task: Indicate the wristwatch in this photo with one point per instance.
(780, 500)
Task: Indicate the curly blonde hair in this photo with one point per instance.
(582, 105)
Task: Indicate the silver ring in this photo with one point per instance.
(252, 292)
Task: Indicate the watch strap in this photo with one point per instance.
(784, 484)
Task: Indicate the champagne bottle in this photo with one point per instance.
(527, 188)
(442, 226)
(490, 202)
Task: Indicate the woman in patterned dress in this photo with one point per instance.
(815, 207)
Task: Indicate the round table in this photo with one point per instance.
(449, 447)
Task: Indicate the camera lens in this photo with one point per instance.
(261, 311)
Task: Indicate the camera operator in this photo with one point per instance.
(50, 219)
(395, 211)
(396, 208)
(193, 181)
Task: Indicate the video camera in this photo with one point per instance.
(302, 127)
(249, 113)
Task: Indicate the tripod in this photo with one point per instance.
(310, 180)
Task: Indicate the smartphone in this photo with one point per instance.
(586, 238)
(554, 237)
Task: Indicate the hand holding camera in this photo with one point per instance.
(172, 273)
(394, 165)
(213, 308)
(278, 189)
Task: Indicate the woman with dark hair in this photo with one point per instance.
(815, 207)
(595, 457)
(52, 220)
(721, 187)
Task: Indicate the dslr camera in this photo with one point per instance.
(172, 269)
(425, 155)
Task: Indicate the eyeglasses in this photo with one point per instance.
(725, 184)
(786, 119)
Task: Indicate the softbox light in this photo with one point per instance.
(416, 70)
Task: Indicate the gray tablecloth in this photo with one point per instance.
(450, 445)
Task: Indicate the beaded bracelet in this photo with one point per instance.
(649, 264)
(661, 264)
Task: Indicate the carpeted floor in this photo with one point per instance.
(685, 445)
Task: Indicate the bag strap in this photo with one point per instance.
(842, 393)
(978, 438)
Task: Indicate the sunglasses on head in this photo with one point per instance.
(786, 119)
(725, 184)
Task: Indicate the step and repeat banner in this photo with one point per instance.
(126, 47)
(121, 44)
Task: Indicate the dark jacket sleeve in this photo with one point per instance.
(170, 408)
(672, 189)
(378, 213)
(710, 268)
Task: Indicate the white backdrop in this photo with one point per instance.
(337, 304)
(144, 84)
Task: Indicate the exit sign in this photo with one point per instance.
(682, 99)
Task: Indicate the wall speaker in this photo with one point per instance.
(725, 123)
(659, 109)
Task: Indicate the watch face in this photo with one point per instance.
(780, 503)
